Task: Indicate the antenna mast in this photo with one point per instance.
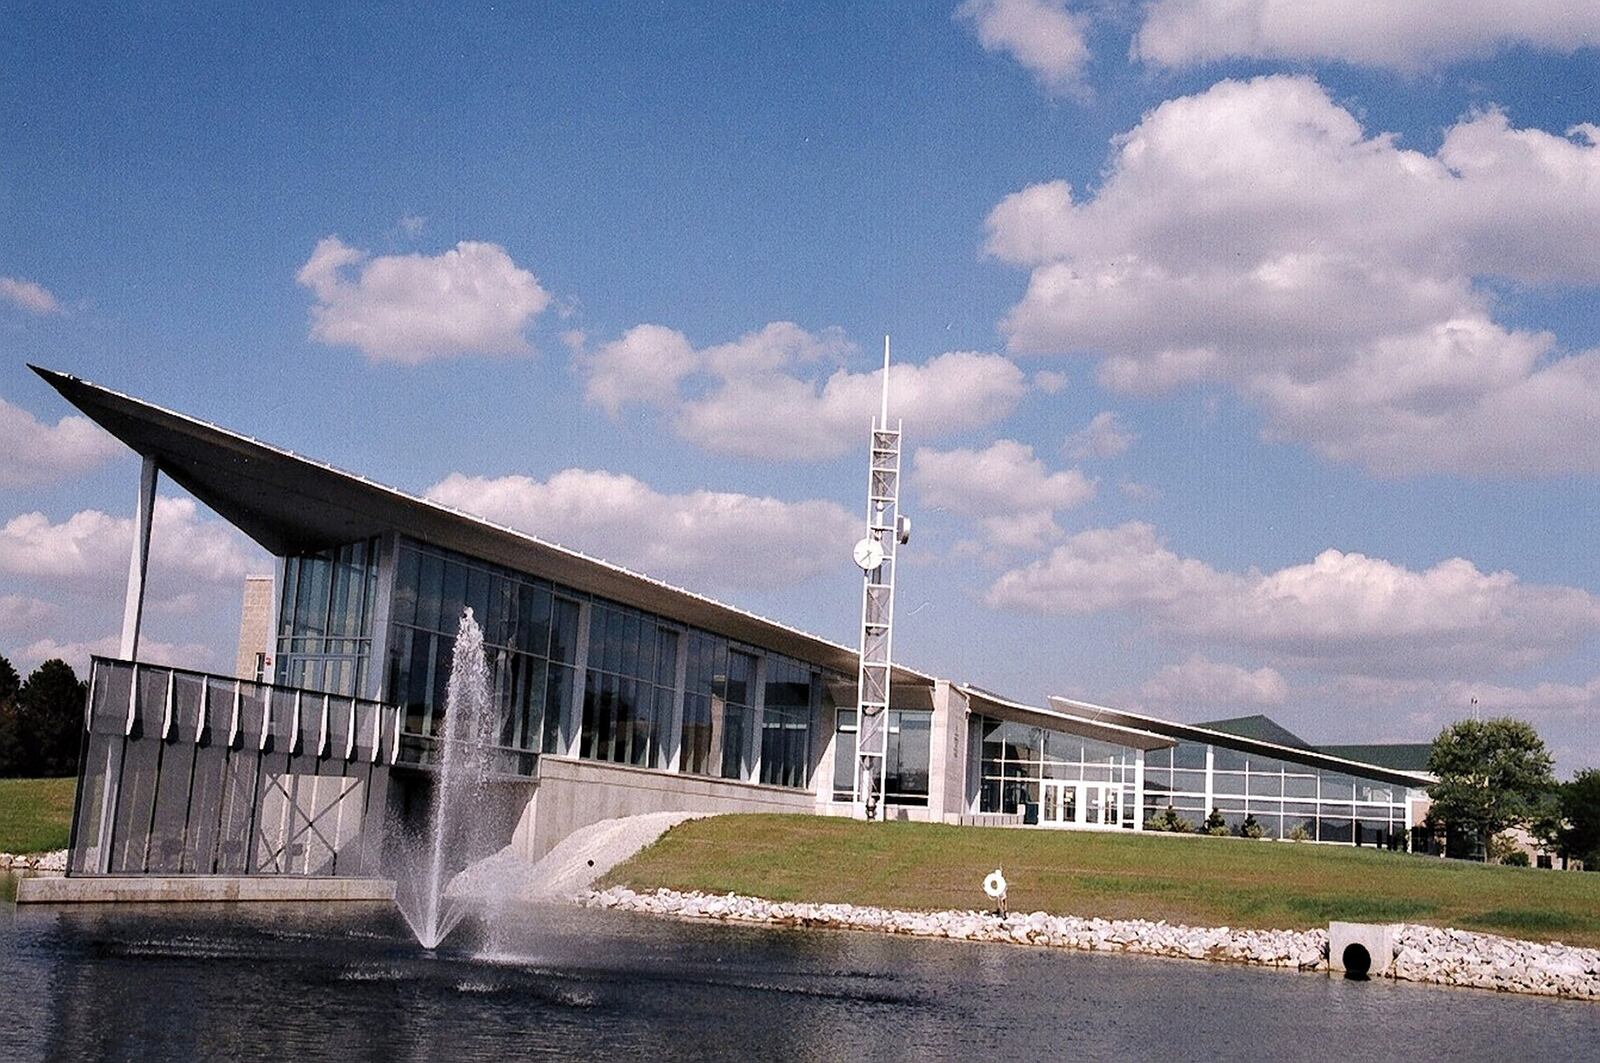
(875, 554)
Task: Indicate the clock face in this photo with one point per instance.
(868, 554)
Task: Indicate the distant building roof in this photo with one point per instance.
(1263, 729)
(1402, 756)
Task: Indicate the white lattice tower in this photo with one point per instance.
(877, 607)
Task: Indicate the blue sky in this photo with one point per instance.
(1274, 384)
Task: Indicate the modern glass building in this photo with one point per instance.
(617, 693)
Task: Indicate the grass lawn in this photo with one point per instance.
(1195, 880)
(35, 814)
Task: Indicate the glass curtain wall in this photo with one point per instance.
(530, 631)
(789, 705)
(718, 709)
(325, 618)
(530, 636)
(1285, 798)
(629, 688)
(1016, 759)
(906, 765)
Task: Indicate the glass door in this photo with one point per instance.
(1111, 807)
(1058, 804)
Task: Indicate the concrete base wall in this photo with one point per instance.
(1373, 948)
(573, 794)
(152, 889)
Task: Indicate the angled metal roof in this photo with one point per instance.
(1262, 728)
(982, 701)
(1202, 733)
(289, 503)
(1406, 756)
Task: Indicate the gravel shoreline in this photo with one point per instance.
(1422, 953)
(47, 863)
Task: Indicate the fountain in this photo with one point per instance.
(429, 905)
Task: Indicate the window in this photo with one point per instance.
(906, 765)
(529, 639)
(787, 712)
(629, 688)
(325, 618)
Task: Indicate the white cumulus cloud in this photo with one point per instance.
(780, 392)
(1105, 436)
(29, 295)
(32, 452)
(699, 538)
(472, 299)
(21, 612)
(1381, 33)
(196, 655)
(1044, 36)
(92, 547)
(1004, 485)
(1340, 611)
(1255, 234)
(1198, 681)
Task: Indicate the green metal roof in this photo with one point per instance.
(1402, 756)
(1262, 729)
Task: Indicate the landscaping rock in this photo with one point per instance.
(1422, 953)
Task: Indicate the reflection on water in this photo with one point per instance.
(294, 982)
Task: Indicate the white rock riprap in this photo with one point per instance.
(36, 863)
(1422, 953)
(1294, 949)
(1485, 961)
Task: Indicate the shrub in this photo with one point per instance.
(1516, 859)
(1215, 820)
(1218, 832)
(1168, 821)
(1299, 834)
(1252, 828)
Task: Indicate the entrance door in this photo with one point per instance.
(1058, 804)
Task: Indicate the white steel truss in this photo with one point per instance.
(877, 609)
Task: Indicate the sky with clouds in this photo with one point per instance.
(1247, 348)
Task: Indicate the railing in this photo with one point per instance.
(188, 773)
(147, 700)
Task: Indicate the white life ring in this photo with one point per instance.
(995, 884)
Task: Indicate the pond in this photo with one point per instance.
(289, 982)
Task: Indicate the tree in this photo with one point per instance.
(1580, 811)
(50, 718)
(1492, 774)
(11, 755)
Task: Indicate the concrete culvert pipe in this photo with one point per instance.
(1357, 961)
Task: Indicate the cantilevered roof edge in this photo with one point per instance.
(1090, 711)
(99, 402)
(1104, 730)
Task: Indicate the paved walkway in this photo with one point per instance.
(583, 856)
(573, 865)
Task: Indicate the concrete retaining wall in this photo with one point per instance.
(152, 889)
(573, 794)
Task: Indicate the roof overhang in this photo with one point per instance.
(291, 504)
(1193, 733)
(988, 704)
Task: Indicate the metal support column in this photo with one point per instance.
(138, 560)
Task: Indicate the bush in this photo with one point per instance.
(1215, 821)
(1218, 832)
(1168, 821)
(1252, 828)
(1516, 859)
(1299, 834)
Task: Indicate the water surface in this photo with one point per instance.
(298, 982)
